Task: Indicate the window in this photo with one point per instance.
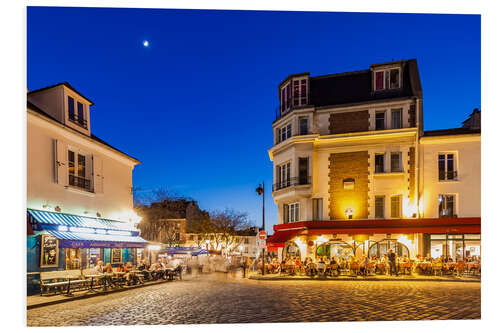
(303, 126)
(81, 115)
(396, 118)
(379, 163)
(379, 207)
(446, 205)
(285, 98)
(283, 175)
(380, 120)
(396, 165)
(283, 133)
(77, 170)
(246, 241)
(293, 212)
(71, 108)
(317, 209)
(396, 206)
(446, 166)
(387, 79)
(303, 170)
(300, 92)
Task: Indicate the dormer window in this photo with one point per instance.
(388, 79)
(299, 92)
(286, 96)
(293, 93)
(78, 117)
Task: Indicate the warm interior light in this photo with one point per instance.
(154, 247)
(349, 213)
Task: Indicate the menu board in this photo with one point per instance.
(49, 251)
(116, 256)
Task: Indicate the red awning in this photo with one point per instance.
(421, 225)
(280, 237)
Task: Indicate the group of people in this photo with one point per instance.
(130, 274)
(389, 263)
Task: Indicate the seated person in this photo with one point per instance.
(321, 266)
(99, 268)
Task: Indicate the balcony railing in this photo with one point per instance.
(294, 181)
(448, 175)
(80, 182)
(79, 122)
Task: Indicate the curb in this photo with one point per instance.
(356, 279)
(84, 296)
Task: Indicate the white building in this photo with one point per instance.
(79, 188)
(355, 173)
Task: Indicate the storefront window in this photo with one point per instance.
(337, 249)
(139, 256)
(94, 256)
(73, 258)
(380, 248)
(455, 246)
(292, 250)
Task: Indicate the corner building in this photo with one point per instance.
(355, 173)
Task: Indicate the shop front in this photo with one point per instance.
(455, 237)
(454, 246)
(67, 242)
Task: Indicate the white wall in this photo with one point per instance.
(468, 186)
(115, 201)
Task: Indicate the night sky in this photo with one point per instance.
(197, 105)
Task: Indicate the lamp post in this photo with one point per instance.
(260, 190)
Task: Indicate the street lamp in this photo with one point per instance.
(260, 190)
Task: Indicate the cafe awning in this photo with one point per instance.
(76, 221)
(75, 231)
(88, 240)
(279, 238)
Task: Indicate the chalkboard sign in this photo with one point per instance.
(49, 251)
(116, 256)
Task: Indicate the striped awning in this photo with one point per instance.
(90, 240)
(68, 220)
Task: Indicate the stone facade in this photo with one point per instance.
(346, 168)
(411, 174)
(347, 122)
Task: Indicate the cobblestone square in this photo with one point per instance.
(223, 299)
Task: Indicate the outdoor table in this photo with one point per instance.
(92, 276)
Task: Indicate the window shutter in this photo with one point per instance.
(61, 163)
(97, 168)
(285, 213)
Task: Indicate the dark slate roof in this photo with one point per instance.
(356, 87)
(35, 108)
(452, 131)
(66, 84)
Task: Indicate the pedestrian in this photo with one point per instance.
(392, 263)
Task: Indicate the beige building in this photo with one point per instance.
(355, 173)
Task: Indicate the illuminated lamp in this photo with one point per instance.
(348, 213)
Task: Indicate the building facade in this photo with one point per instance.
(356, 174)
(79, 188)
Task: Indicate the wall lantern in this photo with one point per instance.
(348, 213)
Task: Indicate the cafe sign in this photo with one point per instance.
(49, 251)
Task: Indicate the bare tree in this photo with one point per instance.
(226, 225)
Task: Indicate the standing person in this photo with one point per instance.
(392, 262)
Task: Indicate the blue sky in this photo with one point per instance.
(196, 106)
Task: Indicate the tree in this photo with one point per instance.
(225, 227)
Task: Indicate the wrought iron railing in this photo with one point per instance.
(294, 181)
(79, 122)
(448, 175)
(80, 182)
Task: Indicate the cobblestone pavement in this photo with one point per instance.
(221, 299)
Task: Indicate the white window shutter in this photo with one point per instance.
(98, 174)
(61, 163)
